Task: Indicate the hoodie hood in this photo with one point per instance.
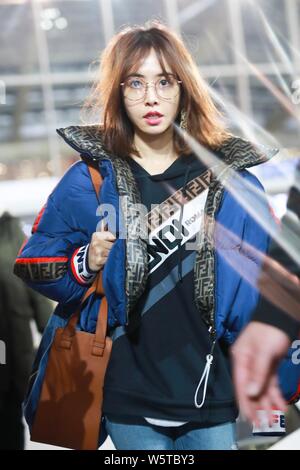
(175, 169)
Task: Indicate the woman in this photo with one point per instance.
(174, 303)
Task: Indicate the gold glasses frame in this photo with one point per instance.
(147, 83)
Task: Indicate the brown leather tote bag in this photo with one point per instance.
(70, 406)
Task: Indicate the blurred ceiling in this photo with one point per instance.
(50, 48)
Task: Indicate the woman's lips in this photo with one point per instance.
(153, 120)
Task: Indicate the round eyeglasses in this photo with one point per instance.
(166, 87)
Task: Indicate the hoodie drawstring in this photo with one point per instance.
(180, 224)
(204, 377)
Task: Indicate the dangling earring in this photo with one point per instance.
(183, 120)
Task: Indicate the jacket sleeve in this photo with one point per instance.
(267, 312)
(53, 261)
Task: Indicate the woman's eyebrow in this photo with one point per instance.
(143, 76)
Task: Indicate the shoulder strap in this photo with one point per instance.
(96, 287)
(96, 180)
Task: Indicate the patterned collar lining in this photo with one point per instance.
(237, 151)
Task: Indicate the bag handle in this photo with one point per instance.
(96, 288)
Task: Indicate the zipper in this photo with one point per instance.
(125, 288)
(212, 329)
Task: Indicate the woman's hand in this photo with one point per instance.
(100, 246)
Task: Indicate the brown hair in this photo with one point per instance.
(122, 56)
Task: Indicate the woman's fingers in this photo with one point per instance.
(100, 246)
(103, 226)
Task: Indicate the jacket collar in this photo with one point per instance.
(236, 151)
(87, 140)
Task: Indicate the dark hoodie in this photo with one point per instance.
(157, 361)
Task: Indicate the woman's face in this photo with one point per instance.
(151, 102)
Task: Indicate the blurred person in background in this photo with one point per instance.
(274, 325)
(19, 305)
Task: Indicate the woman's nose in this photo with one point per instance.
(150, 94)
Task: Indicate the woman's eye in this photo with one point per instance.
(165, 82)
(135, 84)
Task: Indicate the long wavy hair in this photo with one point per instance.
(123, 56)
